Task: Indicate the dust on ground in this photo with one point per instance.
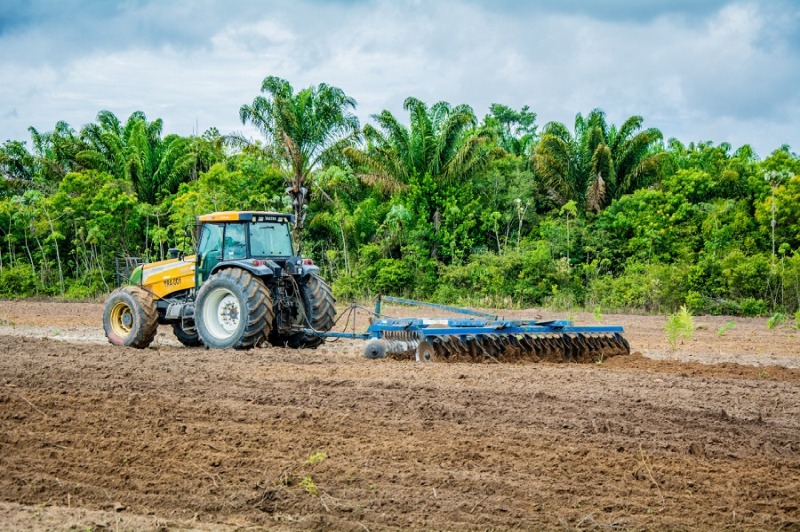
(104, 438)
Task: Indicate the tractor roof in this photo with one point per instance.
(245, 216)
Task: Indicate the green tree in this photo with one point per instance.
(135, 151)
(598, 162)
(16, 167)
(304, 130)
(515, 130)
(55, 153)
(439, 148)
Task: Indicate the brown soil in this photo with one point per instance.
(104, 438)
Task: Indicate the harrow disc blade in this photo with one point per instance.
(427, 352)
(509, 348)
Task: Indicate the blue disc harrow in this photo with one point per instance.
(485, 338)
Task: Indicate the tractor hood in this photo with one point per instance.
(167, 276)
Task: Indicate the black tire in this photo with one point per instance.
(233, 309)
(189, 339)
(320, 313)
(130, 317)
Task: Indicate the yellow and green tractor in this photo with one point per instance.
(243, 286)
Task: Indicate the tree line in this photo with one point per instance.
(436, 204)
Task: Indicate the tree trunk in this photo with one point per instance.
(58, 255)
(299, 195)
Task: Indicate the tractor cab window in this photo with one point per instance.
(270, 239)
(235, 244)
(210, 239)
(209, 251)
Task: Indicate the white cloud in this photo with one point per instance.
(726, 72)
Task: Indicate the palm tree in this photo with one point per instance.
(16, 166)
(440, 142)
(126, 151)
(55, 152)
(597, 163)
(304, 130)
(136, 152)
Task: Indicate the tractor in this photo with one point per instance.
(243, 286)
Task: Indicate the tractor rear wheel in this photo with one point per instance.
(189, 339)
(233, 309)
(320, 313)
(130, 317)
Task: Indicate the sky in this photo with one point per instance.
(699, 70)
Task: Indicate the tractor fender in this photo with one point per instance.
(308, 269)
(261, 270)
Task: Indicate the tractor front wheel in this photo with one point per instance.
(233, 309)
(130, 317)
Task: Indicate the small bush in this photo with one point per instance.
(725, 328)
(753, 307)
(680, 325)
(776, 320)
(308, 485)
(18, 281)
(695, 302)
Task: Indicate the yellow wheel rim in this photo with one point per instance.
(122, 319)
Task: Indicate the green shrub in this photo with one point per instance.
(725, 328)
(776, 320)
(18, 281)
(696, 303)
(640, 287)
(753, 307)
(679, 325)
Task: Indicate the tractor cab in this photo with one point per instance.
(253, 238)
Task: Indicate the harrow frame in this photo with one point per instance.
(429, 339)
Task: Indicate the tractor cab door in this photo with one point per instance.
(209, 251)
(219, 242)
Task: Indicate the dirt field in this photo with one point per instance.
(102, 438)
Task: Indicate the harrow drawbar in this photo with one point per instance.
(484, 338)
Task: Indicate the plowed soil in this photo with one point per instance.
(104, 438)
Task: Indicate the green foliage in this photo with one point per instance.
(304, 129)
(443, 207)
(599, 162)
(680, 325)
(527, 277)
(650, 288)
(17, 281)
(317, 458)
(776, 320)
(725, 328)
(308, 485)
